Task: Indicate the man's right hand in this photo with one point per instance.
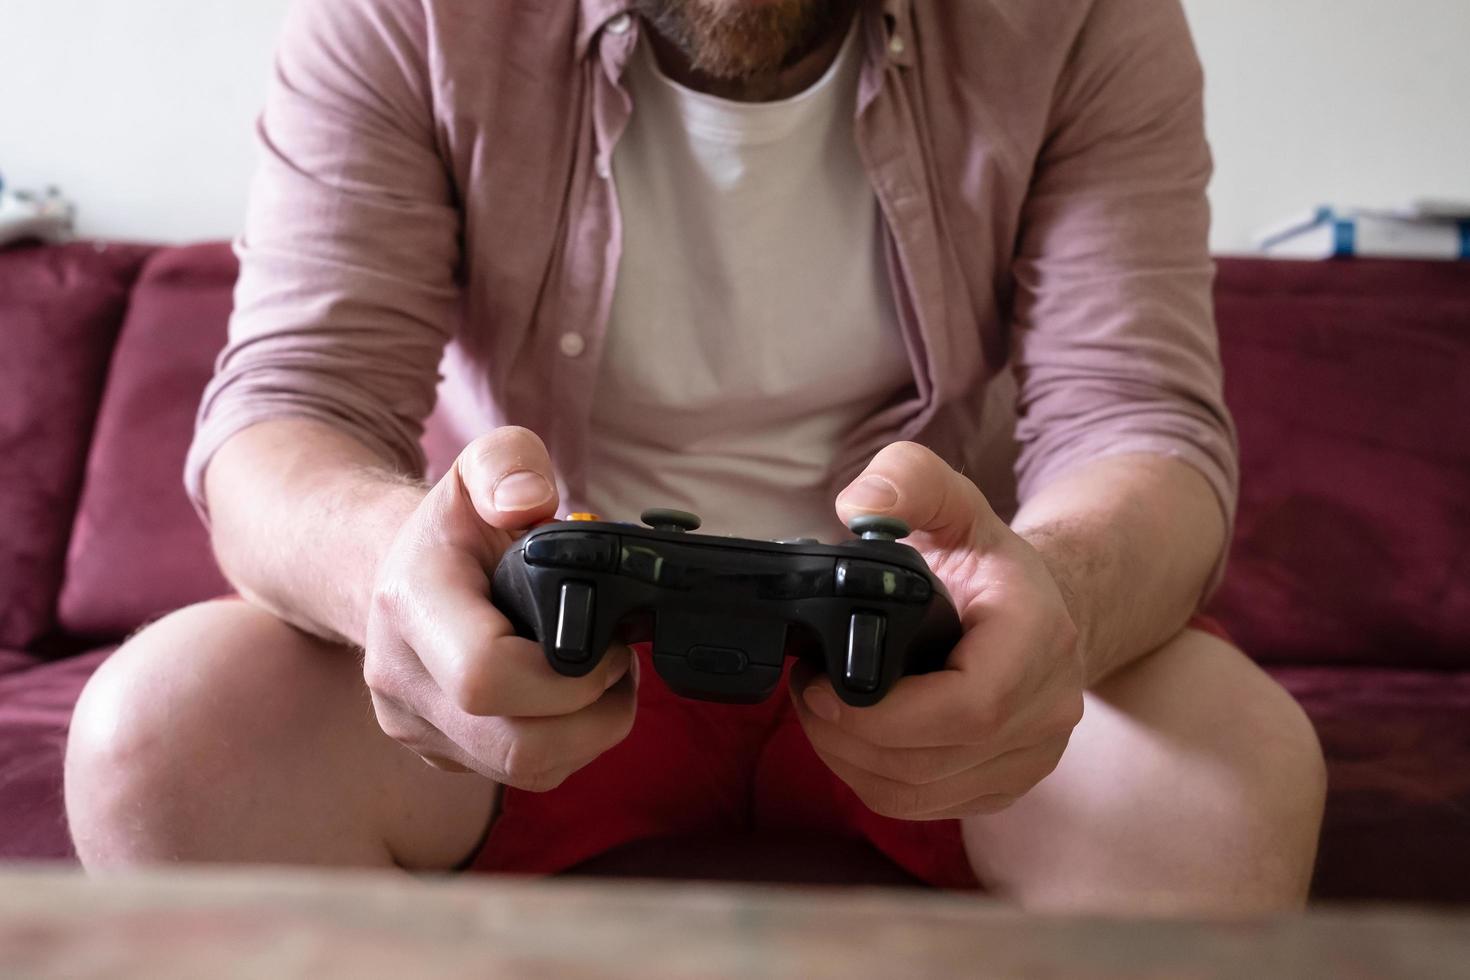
(449, 677)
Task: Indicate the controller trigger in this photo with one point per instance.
(574, 622)
(865, 635)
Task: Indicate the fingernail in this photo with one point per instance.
(521, 491)
(822, 703)
(871, 493)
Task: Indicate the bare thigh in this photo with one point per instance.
(1194, 784)
(223, 734)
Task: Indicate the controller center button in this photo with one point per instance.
(574, 550)
(717, 660)
(865, 636)
(574, 622)
(878, 582)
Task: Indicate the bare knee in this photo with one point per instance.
(1259, 776)
(1279, 758)
(173, 730)
(1195, 784)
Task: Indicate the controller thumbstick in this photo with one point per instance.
(876, 527)
(671, 520)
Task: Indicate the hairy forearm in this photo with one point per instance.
(301, 515)
(1131, 541)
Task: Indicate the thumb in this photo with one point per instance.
(911, 483)
(506, 478)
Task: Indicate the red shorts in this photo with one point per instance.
(697, 768)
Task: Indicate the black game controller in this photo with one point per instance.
(724, 613)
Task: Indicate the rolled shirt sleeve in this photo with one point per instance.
(1116, 350)
(348, 289)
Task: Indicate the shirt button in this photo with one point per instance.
(604, 169)
(573, 344)
(620, 24)
(896, 47)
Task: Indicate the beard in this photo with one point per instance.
(734, 40)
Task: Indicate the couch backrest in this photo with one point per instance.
(1350, 383)
(60, 309)
(137, 549)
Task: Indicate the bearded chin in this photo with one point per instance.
(733, 41)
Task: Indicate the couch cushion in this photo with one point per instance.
(1398, 758)
(139, 550)
(36, 702)
(59, 314)
(1351, 386)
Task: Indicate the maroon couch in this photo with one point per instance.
(1350, 578)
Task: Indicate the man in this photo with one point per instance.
(747, 257)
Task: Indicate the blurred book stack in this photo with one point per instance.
(27, 216)
(1421, 230)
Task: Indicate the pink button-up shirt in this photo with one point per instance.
(437, 172)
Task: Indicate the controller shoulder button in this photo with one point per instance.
(642, 562)
(578, 550)
(876, 581)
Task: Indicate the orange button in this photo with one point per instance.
(583, 517)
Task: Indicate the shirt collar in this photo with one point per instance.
(595, 15)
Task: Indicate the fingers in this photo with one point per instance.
(538, 754)
(405, 726)
(507, 479)
(909, 482)
(530, 753)
(915, 767)
(987, 786)
(547, 750)
(474, 657)
(948, 708)
(920, 712)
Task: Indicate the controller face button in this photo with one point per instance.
(574, 622)
(865, 635)
(718, 660)
(583, 518)
(575, 550)
(878, 582)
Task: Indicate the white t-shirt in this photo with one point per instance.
(753, 322)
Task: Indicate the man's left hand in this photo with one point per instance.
(978, 735)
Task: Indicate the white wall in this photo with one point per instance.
(1354, 102)
(142, 110)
